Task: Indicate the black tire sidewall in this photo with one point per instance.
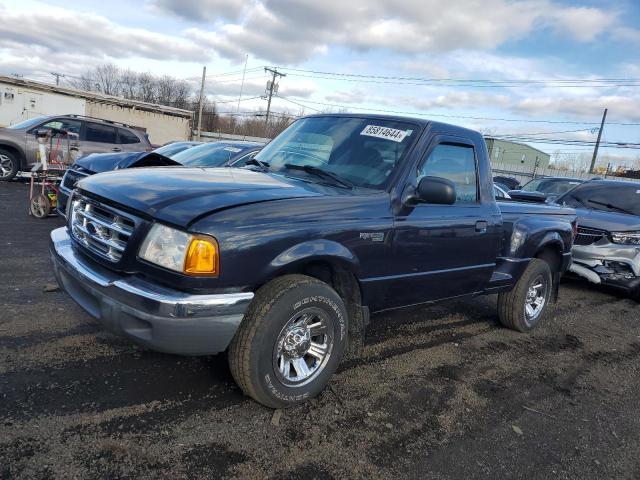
(284, 308)
(535, 269)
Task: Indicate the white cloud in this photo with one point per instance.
(199, 10)
(624, 107)
(58, 31)
(291, 31)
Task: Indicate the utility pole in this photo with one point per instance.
(57, 75)
(204, 74)
(595, 150)
(271, 86)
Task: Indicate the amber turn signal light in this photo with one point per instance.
(202, 257)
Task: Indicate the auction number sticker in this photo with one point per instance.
(384, 132)
(233, 149)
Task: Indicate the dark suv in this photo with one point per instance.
(18, 145)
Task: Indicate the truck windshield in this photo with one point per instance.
(606, 197)
(359, 151)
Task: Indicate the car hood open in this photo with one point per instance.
(180, 195)
(106, 162)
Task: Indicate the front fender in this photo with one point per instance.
(551, 239)
(314, 251)
(540, 233)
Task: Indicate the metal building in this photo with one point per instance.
(21, 99)
(505, 153)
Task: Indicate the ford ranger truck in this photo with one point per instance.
(279, 264)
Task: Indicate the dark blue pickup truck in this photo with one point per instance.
(280, 263)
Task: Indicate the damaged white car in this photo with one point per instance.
(607, 246)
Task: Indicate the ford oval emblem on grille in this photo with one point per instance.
(98, 230)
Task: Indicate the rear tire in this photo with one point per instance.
(9, 163)
(290, 341)
(525, 306)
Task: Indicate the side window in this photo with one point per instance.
(125, 136)
(456, 163)
(94, 132)
(72, 126)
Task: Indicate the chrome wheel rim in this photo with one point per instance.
(536, 299)
(37, 206)
(6, 166)
(303, 347)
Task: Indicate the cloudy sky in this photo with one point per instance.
(538, 68)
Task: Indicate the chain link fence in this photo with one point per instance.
(524, 173)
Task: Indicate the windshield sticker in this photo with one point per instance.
(384, 132)
(232, 149)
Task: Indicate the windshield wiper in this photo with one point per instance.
(612, 207)
(320, 173)
(264, 166)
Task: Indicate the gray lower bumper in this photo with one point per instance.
(157, 317)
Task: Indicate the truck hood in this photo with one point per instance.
(106, 162)
(524, 208)
(610, 221)
(180, 195)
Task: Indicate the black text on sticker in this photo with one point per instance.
(384, 132)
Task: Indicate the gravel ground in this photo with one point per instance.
(439, 392)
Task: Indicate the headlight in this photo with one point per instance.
(518, 237)
(626, 238)
(180, 251)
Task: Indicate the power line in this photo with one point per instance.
(236, 72)
(296, 103)
(369, 78)
(459, 116)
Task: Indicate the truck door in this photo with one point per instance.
(443, 251)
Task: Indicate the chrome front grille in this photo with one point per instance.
(588, 236)
(99, 228)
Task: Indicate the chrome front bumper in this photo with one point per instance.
(157, 317)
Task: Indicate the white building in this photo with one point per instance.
(21, 99)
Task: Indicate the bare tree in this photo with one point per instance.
(129, 83)
(107, 78)
(167, 90)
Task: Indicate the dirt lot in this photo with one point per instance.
(439, 392)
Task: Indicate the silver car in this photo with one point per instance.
(19, 147)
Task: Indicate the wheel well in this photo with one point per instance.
(342, 280)
(552, 255)
(15, 151)
(345, 283)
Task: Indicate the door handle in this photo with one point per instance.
(481, 226)
(116, 149)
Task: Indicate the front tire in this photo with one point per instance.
(290, 341)
(9, 163)
(525, 306)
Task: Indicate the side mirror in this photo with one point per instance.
(436, 190)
